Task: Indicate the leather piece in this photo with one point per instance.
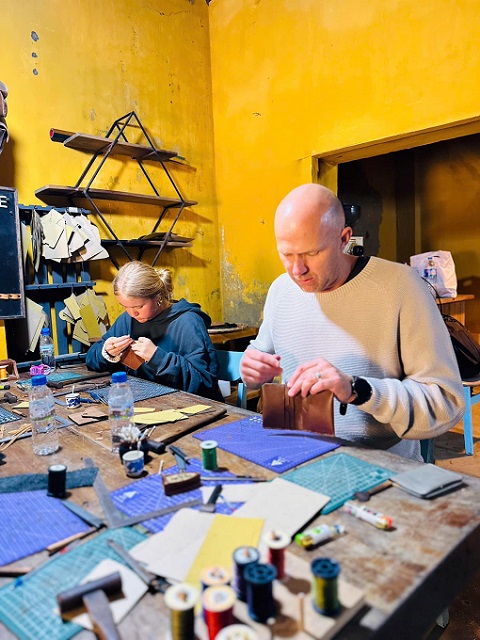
(313, 413)
(131, 360)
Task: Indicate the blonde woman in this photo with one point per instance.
(169, 336)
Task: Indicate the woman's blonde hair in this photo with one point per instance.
(138, 280)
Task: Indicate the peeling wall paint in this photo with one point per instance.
(314, 76)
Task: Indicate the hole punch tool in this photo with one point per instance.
(209, 505)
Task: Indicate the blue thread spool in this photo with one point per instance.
(243, 557)
(259, 582)
(325, 586)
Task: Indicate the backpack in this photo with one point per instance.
(467, 349)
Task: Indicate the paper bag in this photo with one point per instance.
(313, 413)
(438, 268)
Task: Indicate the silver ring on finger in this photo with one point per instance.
(318, 375)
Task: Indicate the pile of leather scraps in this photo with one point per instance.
(3, 115)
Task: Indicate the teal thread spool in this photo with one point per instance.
(209, 455)
(325, 586)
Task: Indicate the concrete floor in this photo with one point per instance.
(465, 609)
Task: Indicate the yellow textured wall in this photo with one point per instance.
(293, 78)
(80, 64)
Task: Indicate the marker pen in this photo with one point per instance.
(319, 534)
(362, 512)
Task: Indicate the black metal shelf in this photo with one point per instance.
(115, 143)
(61, 285)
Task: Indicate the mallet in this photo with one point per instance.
(94, 597)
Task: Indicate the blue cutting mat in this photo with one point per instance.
(275, 449)
(338, 476)
(147, 494)
(31, 521)
(27, 605)
(141, 389)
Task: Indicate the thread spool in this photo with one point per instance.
(237, 632)
(218, 608)
(3, 372)
(325, 586)
(242, 558)
(277, 542)
(209, 455)
(259, 583)
(214, 576)
(57, 481)
(181, 600)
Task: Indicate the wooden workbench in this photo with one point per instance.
(409, 574)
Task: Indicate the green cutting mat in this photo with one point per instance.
(338, 476)
(27, 605)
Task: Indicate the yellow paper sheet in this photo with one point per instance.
(143, 409)
(195, 408)
(91, 323)
(224, 536)
(159, 417)
(80, 333)
(72, 305)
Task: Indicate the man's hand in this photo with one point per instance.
(320, 375)
(258, 367)
(144, 348)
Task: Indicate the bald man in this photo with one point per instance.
(364, 328)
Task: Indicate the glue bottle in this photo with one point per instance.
(42, 416)
(120, 407)
(47, 351)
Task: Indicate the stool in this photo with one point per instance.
(471, 398)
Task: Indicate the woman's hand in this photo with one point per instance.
(144, 348)
(114, 346)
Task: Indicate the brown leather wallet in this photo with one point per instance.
(130, 359)
(313, 413)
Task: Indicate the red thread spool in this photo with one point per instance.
(218, 608)
(277, 542)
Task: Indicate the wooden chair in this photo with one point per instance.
(471, 398)
(229, 370)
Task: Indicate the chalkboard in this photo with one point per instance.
(12, 294)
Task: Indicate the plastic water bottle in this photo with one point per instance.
(46, 349)
(120, 407)
(42, 416)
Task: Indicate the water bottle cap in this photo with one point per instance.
(45, 331)
(38, 381)
(119, 376)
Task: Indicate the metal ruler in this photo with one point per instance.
(118, 519)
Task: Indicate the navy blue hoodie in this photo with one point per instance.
(185, 358)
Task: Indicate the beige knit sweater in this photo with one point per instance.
(382, 325)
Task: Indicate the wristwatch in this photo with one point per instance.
(361, 390)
